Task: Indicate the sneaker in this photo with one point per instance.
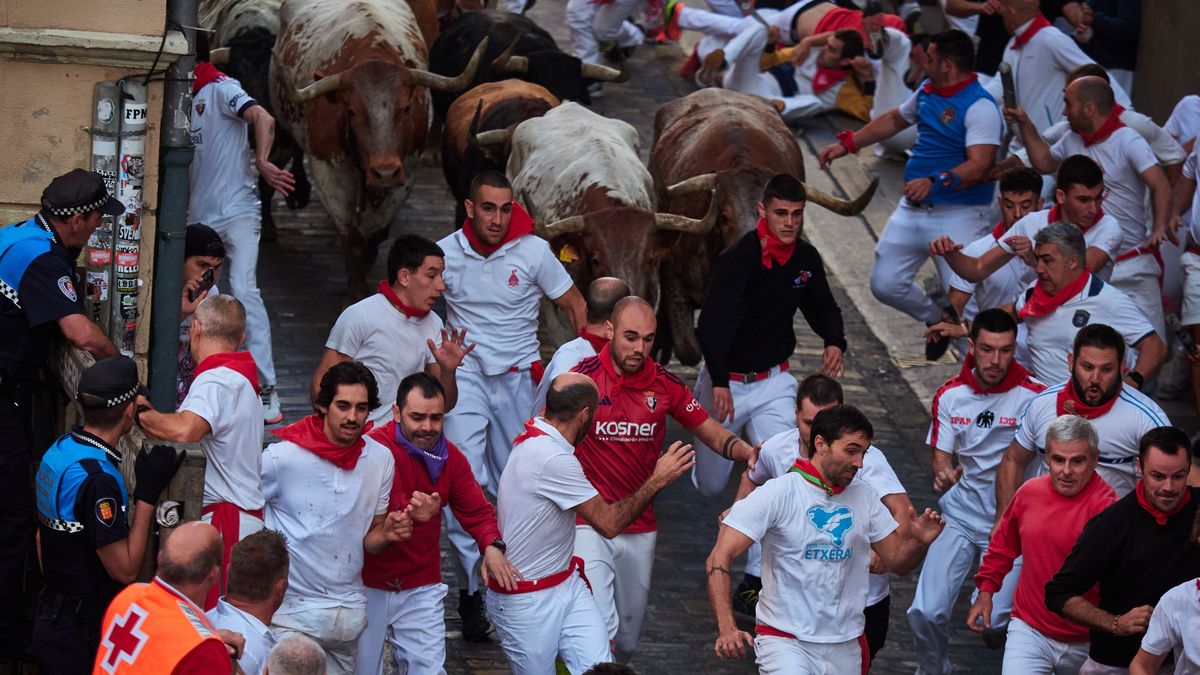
(780, 56)
(692, 64)
(936, 349)
(709, 74)
(595, 90)
(745, 598)
(671, 19)
(272, 413)
(475, 624)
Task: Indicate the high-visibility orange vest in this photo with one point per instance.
(150, 628)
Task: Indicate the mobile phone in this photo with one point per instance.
(206, 282)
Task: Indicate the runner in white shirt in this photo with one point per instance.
(817, 527)
(1173, 628)
(221, 412)
(1130, 168)
(327, 488)
(394, 333)
(602, 295)
(221, 195)
(551, 610)
(974, 416)
(497, 272)
(1184, 122)
(779, 453)
(258, 573)
(1185, 205)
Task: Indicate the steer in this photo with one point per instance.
(733, 143)
(581, 178)
(349, 81)
(478, 127)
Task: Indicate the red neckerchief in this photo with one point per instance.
(239, 362)
(385, 289)
(519, 225)
(309, 433)
(1160, 517)
(772, 247)
(639, 380)
(1039, 22)
(826, 78)
(808, 471)
(999, 230)
(951, 90)
(1055, 215)
(1015, 375)
(1042, 303)
(531, 431)
(1107, 129)
(597, 342)
(205, 74)
(1078, 407)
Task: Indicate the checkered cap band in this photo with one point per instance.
(68, 212)
(93, 402)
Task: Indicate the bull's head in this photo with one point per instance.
(380, 108)
(553, 71)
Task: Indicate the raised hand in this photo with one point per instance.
(453, 349)
(421, 507)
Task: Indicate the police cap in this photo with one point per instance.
(79, 191)
(108, 383)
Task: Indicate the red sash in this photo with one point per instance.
(527, 586)
(226, 517)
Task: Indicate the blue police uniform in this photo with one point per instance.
(81, 507)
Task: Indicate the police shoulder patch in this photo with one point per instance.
(67, 288)
(106, 511)
(1081, 318)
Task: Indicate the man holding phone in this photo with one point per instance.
(204, 253)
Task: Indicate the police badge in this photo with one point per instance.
(1081, 318)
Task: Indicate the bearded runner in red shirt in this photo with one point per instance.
(636, 396)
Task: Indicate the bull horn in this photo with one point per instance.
(325, 85)
(703, 182)
(491, 137)
(569, 225)
(595, 71)
(678, 223)
(516, 64)
(442, 83)
(842, 207)
(219, 56)
(500, 62)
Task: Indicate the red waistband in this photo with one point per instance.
(257, 513)
(748, 378)
(536, 369)
(764, 629)
(1133, 253)
(527, 586)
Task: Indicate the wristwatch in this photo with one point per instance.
(499, 543)
(1139, 380)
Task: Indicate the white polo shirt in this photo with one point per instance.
(324, 512)
(391, 344)
(1184, 122)
(222, 177)
(1162, 143)
(1120, 431)
(567, 357)
(1191, 169)
(233, 448)
(978, 426)
(1123, 156)
(816, 551)
(998, 288)
(259, 639)
(779, 452)
(1052, 336)
(1105, 235)
(540, 485)
(496, 298)
(1174, 626)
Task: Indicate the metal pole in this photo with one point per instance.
(130, 177)
(105, 127)
(174, 159)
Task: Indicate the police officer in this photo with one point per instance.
(38, 303)
(89, 550)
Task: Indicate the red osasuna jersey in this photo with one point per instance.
(631, 422)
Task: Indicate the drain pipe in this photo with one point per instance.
(175, 157)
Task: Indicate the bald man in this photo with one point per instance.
(543, 494)
(602, 295)
(159, 627)
(636, 396)
(1130, 169)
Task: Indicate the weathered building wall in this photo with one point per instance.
(1168, 67)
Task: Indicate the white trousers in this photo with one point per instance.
(413, 622)
(336, 629)
(787, 656)
(1138, 277)
(561, 621)
(951, 557)
(240, 236)
(491, 412)
(904, 247)
(619, 570)
(761, 409)
(590, 24)
(1028, 652)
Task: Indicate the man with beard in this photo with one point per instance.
(543, 489)
(327, 491)
(817, 527)
(974, 417)
(1135, 551)
(404, 583)
(636, 396)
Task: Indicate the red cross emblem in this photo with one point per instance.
(124, 639)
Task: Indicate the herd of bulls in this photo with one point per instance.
(358, 85)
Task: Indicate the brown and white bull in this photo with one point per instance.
(581, 177)
(733, 143)
(349, 80)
